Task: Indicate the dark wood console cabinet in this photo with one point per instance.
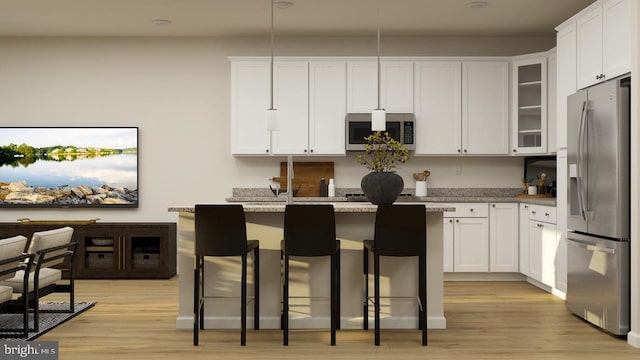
(115, 250)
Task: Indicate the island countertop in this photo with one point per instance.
(340, 207)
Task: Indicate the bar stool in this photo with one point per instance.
(400, 230)
(310, 230)
(221, 231)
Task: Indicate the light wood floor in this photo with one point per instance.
(135, 319)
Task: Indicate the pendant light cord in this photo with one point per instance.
(271, 79)
(379, 71)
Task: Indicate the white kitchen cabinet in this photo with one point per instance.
(529, 110)
(311, 100)
(603, 42)
(362, 86)
(566, 41)
(447, 250)
(396, 86)
(462, 107)
(485, 108)
(467, 228)
(524, 239)
(543, 244)
(291, 98)
(503, 237)
(327, 107)
(552, 101)
(561, 221)
(438, 107)
(250, 89)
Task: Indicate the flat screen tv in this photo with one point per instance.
(67, 167)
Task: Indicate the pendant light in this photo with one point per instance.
(272, 113)
(378, 115)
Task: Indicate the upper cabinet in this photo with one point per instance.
(603, 42)
(485, 108)
(311, 100)
(327, 107)
(529, 111)
(438, 98)
(291, 98)
(396, 86)
(461, 107)
(566, 41)
(250, 82)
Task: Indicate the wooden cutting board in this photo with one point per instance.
(307, 175)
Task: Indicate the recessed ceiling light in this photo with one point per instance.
(476, 4)
(161, 22)
(283, 4)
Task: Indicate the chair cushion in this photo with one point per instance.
(50, 238)
(9, 248)
(5, 293)
(47, 276)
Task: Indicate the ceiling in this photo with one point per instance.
(302, 18)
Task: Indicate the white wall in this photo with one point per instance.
(176, 90)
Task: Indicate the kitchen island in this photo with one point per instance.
(310, 276)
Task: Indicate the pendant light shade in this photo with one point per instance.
(272, 113)
(272, 119)
(378, 120)
(379, 115)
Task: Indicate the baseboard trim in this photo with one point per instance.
(433, 322)
(633, 339)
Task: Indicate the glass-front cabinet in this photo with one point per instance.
(529, 113)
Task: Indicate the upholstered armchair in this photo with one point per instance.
(48, 248)
(12, 260)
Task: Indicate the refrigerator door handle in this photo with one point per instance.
(581, 130)
(593, 247)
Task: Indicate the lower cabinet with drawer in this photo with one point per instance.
(539, 242)
(466, 238)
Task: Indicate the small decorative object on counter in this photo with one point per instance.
(332, 188)
(542, 183)
(381, 156)
(323, 188)
(421, 182)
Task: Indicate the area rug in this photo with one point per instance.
(48, 321)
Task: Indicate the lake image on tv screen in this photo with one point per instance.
(69, 166)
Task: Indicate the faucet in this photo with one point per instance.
(289, 179)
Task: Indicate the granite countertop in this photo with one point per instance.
(436, 195)
(340, 207)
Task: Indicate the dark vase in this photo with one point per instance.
(382, 188)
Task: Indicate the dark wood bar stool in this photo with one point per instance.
(221, 231)
(400, 230)
(310, 230)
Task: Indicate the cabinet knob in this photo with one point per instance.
(305, 150)
(514, 150)
(459, 150)
(533, 212)
(493, 205)
(457, 220)
(540, 225)
(465, 150)
(546, 214)
(311, 150)
(450, 220)
(471, 209)
(526, 206)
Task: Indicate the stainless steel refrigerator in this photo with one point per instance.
(598, 194)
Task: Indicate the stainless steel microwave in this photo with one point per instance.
(400, 126)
